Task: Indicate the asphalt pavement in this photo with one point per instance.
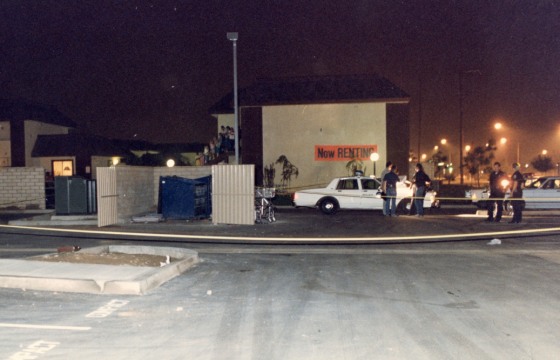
(490, 293)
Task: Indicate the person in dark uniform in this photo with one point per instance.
(420, 181)
(389, 187)
(517, 181)
(497, 193)
(388, 168)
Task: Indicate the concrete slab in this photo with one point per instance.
(96, 279)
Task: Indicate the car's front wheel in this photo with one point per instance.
(328, 206)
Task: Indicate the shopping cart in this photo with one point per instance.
(264, 210)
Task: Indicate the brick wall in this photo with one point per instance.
(22, 188)
(135, 191)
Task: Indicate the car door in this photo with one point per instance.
(369, 198)
(348, 193)
(546, 196)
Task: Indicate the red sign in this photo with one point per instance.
(343, 152)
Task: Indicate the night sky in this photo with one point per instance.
(151, 69)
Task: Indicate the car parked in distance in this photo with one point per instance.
(543, 193)
(358, 192)
(540, 193)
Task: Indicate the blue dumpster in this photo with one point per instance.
(184, 199)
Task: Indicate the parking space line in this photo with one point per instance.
(45, 327)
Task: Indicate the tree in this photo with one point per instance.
(439, 161)
(288, 170)
(480, 158)
(353, 165)
(542, 163)
(269, 175)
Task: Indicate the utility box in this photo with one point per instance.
(184, 199)
(74, 195)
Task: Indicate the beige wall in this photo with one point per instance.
(34, 128)
(294, 130)
(5, 145)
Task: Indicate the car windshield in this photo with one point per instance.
(537, 183)
(545, 183)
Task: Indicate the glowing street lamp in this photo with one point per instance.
(443, 141)
(374, 157)
(498, 126)
(503, 141)
(544, 152)
(467, 148)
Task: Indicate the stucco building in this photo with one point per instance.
(320, 124)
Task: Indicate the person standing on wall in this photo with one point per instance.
(420, 181)
(389, 187)
(517, 181)
(388, 167)
(497, 194)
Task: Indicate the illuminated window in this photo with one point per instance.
(63, 167)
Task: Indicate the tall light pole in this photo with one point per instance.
(461, 73)
(233, 36)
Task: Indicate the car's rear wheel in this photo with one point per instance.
(328, 206)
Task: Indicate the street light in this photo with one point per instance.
(374, 157)
(233, 36)
(461, 73)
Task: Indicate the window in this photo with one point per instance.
(63, 167)
(369, 184)
(347, 184)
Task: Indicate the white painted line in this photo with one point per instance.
(45, 327)
(434, 237)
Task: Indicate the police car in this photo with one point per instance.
(358, 192)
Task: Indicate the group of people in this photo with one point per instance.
(223, 143)
(389, 179)
(498, 192)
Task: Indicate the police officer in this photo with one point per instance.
(517, 181)
(497, 193)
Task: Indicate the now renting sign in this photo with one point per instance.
(343, 152)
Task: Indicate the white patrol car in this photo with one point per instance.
(357, 192)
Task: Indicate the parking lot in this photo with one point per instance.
(459, 298)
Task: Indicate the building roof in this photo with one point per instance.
(313, 90)
(19, 110)
(74, 144)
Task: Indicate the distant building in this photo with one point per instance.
(320, 124)
(21, 122)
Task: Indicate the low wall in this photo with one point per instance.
(22, 188)
(138, 186)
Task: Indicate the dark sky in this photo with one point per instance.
(153, 68)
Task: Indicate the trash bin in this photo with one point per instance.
(183, 199)
(70, 195)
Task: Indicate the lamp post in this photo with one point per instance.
(233, 36)
(374, 157)
(461, 73)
